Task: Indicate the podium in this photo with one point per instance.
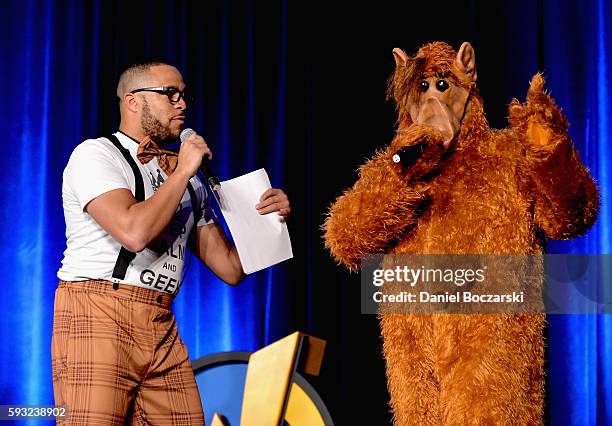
(264, 388)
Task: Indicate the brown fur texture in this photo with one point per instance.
(494, 192)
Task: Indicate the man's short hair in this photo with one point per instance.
(132, 77)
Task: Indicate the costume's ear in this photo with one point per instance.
(400, 57)
(466, 61)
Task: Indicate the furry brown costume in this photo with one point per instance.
(486, 191)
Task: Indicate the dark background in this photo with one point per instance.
(347, 59)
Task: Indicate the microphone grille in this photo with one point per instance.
(186, 133)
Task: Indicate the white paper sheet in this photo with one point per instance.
(261, 240)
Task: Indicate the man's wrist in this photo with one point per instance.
(182, 175)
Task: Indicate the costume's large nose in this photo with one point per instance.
(438, 115)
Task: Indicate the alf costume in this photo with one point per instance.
(463, 188)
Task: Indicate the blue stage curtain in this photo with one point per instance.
(61, 62)
(576, 52)
(570, 41)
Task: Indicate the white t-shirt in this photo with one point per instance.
(96, 166)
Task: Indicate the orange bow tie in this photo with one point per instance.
(147, 149)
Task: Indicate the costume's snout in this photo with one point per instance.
(438, 115)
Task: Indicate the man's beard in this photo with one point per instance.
(152, 127)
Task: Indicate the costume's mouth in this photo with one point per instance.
(439, 116)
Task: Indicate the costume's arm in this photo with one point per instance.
(382, 203)
(566, 196)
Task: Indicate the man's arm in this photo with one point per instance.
(134, 224)
(215, 251)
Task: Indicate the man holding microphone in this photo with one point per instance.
(131, 208)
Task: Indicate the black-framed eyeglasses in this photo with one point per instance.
(174, 94)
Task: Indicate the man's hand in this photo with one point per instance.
(274, 200)
(191, 152)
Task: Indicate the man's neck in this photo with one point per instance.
(132, 132)
(133, 139)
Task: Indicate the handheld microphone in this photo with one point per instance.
(408, 155)
(211, 178)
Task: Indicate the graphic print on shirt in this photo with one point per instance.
(156, 182)
(170, 246)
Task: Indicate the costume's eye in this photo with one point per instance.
(424, 86)
(442, 85)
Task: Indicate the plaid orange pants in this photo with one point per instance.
(118, 358)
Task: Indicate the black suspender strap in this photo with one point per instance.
(139, 195)
(194, 203)
(197, 213)
(126, 256)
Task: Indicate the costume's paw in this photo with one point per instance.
(417, 150)
(539, 119)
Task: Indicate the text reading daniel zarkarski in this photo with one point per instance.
(459, 277)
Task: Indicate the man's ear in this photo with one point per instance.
(400, 57)
(130, 102)
(466, 61)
